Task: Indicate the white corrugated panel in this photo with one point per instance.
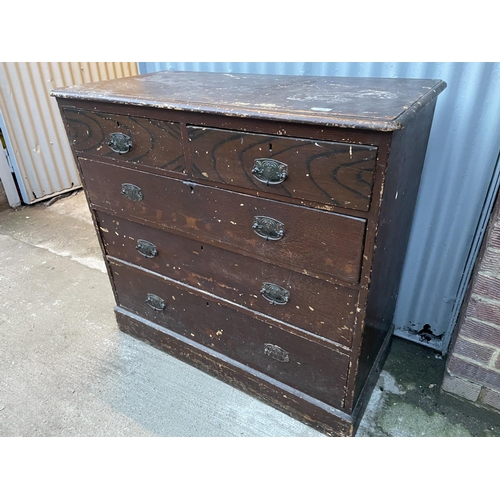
(42, 157)
(459, 179)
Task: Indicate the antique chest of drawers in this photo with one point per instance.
(256, 226)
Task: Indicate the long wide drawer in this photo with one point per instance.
(138, 141)
(315, 305)
(327, 172)
(305, 239)
(303, 364)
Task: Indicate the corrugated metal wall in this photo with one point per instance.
(460, 165)
(42, 158)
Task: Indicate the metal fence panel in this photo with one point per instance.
(43, 161)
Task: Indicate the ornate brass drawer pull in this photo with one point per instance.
(277, 353)
(146, 249)
(119, 143)
(275, 294)
(270, 171)
(268, 228)
(155, 302)
(132, 192)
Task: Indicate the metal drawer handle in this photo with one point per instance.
(270, 171)
(277, 353)
(275, 294)
(119, 143)
(146, 249)
(132, 192)
(155, 302)
(268, 228)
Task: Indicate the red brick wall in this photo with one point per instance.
(473, 368)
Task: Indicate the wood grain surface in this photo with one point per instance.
(314, 241)
(310, 367)
(353, 149)
(328, 419)
(332, 173)
(155, 143)
(384, 104)
(315, 305)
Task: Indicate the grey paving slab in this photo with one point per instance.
(66, 368)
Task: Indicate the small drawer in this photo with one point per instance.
(311, 304)
(137, 141)
(304, 239)
(331, 173)
(303, 364)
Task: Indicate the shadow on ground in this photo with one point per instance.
(407, 400)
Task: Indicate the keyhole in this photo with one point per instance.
(192, 189)
(118, 124)
(270, 147)
(202, 247)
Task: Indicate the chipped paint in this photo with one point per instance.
(255, 295)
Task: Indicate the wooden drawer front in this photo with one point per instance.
(326, 172)
(313, 240)
(318, 306)
(317, 370)
(154, 143)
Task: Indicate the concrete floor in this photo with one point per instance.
(66, 369)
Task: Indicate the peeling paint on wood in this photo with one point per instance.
(337, 102)
(340, 251)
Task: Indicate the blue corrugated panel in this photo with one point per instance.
(459, 167)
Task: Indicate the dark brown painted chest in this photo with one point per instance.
(256, 226)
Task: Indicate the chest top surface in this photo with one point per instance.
(383, 104)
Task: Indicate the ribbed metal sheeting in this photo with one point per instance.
(42, 158)
(456, 186)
